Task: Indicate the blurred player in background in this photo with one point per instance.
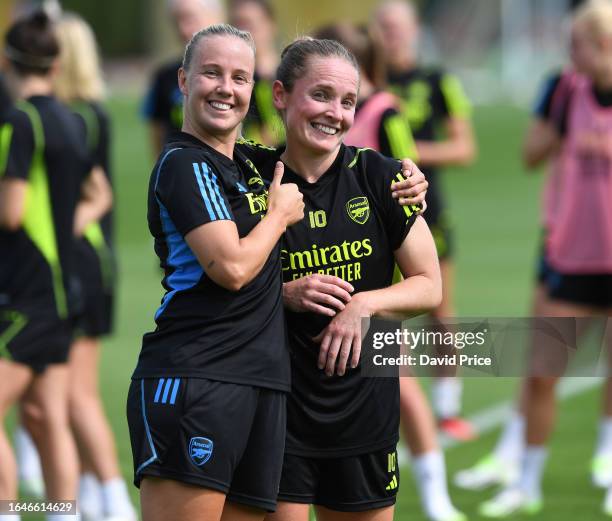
(163, 106)
(380, 125)
(576, 135)
(262, 123)
(501, 466)
(102, 491)
(433, 101)
(79, 84)
(46, 178)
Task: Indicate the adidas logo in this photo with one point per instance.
(393, 485)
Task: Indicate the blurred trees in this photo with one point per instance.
(120, 25)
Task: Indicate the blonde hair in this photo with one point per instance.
(598, 15)
(80, 75)
(214, 30)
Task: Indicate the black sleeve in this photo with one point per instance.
(553, 101)
(543, 103)
(395, 137)
(156, 105)
(262, 157)
(16, 145)
(449, 97)
(188, 189)
(382, 173)
(102, 149)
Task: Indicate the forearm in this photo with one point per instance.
(229, 260)
(86, 213)
(541, 142)
(410, 297)
(96, 200)
(421, 289)
(92, 209)
(12, 203)
(444, 153)
(254, 249)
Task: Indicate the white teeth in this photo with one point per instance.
(220, 106)
(324, 128)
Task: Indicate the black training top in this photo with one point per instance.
(43, 144)
(164, 101)
(204, 329)
(351, 228)
(96, 125)
(428, 98)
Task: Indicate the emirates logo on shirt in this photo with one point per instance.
(257, 203)
(358, 209)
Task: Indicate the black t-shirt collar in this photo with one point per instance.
(182, 138)
(327, 176)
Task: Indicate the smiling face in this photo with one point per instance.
(217, 87)
(320, 108)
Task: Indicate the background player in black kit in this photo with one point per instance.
(206, 406)
(163, 105)
(80, 85)
(438, 112)
(342, 428)
(44, 180)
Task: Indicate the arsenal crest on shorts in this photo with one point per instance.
(358, 209)
(200, 450)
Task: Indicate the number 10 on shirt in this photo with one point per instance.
(318, 219)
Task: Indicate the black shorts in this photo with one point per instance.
(346, 484)
(222, 436)
(96, 288)
(593, 290)
(95, 318)
(33, 337)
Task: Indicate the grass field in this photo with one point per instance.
(494, 205)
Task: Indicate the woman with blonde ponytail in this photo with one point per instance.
(80, 85)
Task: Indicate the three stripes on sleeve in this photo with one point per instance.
(209, 188)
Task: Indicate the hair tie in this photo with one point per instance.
(22, 58)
